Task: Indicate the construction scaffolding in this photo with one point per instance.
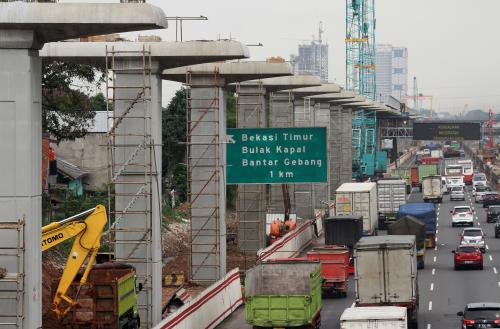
(12, 278)
(130, 166)
(206, 161)
(250, 203)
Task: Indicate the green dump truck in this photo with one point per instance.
(284, 293)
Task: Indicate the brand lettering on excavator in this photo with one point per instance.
(52, 238)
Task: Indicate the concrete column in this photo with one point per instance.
(20, 166)
(139, 230)
(303, 193)
(340, 141)
(251, 203)
(207, 159)
(281, 115)
(321, 118)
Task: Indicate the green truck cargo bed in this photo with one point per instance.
(283, 294)
(427, 170)
(404, 173)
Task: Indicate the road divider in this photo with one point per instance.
(291, 244)
(210, 308)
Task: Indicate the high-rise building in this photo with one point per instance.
(312, 58)
(391, 72)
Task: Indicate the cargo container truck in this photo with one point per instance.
(375, 317)
(426, 213)
(409, 225)
(358, 199)
(334, 269)
(432, 189)
(391, 194)
(386, 273)
(427, 170)
(283, 294)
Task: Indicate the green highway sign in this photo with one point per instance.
(276, 155)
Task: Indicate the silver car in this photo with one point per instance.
(457, 193)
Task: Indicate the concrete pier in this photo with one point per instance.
(206, 156)
(24, 28)
(251, 201)
(311, 112)
(141, 222)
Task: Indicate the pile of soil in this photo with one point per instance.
(51, 269)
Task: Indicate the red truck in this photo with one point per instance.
(415, 182)
(334, 268)
(430, 160)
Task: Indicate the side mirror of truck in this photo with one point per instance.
(451, 211)
(460, 313)
(453, 251)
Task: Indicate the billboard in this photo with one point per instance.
(435, 131)
(276, 155)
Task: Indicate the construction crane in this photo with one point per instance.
(360, 47)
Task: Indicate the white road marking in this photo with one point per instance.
(432, 286)
(433, 271)
(428, 326)
(430, 305)
(478, 224)
(487, 247)
(436, 248)
(436, 239)
(436, 258)
(495, 270)
(437, 224)
(437, 231)
(354, 303)
(491, 258)
(499, 284)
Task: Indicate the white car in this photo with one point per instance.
(457, 193)
(473, 237)
(479, 192)
(462, 215)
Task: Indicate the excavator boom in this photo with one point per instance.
(87, 233)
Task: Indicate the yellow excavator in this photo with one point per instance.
(87, 232)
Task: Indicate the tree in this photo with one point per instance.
(68, 109)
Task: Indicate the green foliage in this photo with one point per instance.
(67, 109)
(231, 111)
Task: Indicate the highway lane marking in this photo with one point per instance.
(436, 239)
(436, 258)
(437, 224)
(353, 303)
(487, 247)
(430, 305)
(491, 258)
(495, 270)
(436, 248)
(433, 271)
(432, 286)
(499, 284)
(437, 231)
(428, 326)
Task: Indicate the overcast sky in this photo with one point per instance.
(452, 44)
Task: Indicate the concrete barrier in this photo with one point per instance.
(210, 308)
(291, 244)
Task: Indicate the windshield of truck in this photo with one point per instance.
(473, 233)
(461, 209)
(482, 313)
(494, 209)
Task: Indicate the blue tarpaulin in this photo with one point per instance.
(425, 212)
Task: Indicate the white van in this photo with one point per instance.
(479, 179)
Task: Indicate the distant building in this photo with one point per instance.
(391, 72)
(312, 59)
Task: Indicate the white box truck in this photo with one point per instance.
(386, 273)
(376, 317)
(432, 189)
(391, 194)
(358, 199)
